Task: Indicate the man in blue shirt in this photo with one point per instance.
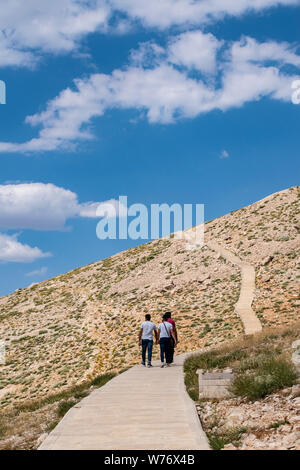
(146, 339)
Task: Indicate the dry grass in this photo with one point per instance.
(21, 426)
(70, 329)
(266, 353)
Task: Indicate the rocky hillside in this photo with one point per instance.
(263, 412)
(84, 323)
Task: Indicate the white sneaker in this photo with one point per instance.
(162, 365)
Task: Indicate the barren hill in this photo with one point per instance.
(77, 325)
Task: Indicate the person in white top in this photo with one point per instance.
(165, 331)
(146, 339)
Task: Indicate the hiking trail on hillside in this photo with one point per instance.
(243, 307)
(147, 408)
(139, 409)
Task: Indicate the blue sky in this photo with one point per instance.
(174, 101)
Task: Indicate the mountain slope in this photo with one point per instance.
(64, 330)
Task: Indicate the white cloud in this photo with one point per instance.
(36, 206)
(31, 28)
(111, 208)
(11, 56)
(11, 250)
(195, 49)
(41, 206)
(37, 272)
(166, 13)
(148, 54)
(247, 82)
(66, 117)
(224, 154)
(162, 91)
(250, 50)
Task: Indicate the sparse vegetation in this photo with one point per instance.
(64, 407)
(220, 437)
(37, 415)
(269, 375)
(262, 364)
(63, 332)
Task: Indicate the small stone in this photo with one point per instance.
(41, 439)
(229, 447)
(296, 344)
(236, 416)
(267, 260)
(250, 423)
(203, 278)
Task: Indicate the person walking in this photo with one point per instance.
(165, 332)
(146, 339)
(172, 342)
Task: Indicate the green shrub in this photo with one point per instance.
(52, 425)
(270, 375)
(102, 379)
(77, 391)
(259, 362)
(254, 362)
(228, 436)
(64, 407)
(277, 424)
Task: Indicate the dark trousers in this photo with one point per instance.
(147, 345)
(165, 350)
(172, 348)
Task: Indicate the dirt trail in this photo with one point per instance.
(243, 306)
